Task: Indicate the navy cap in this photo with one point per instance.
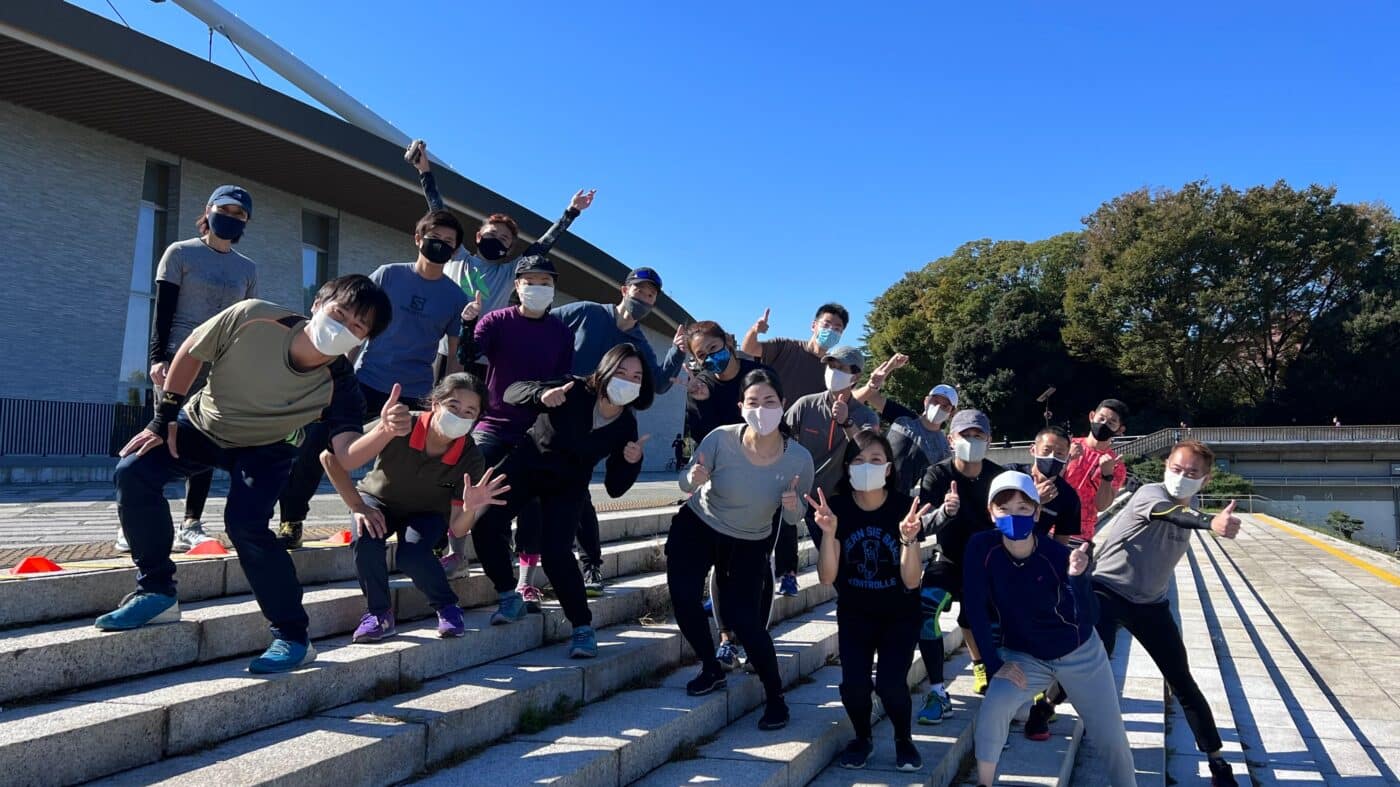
(639, 275)
(232, 195)
(535, 263)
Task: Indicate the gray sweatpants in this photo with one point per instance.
(1087, 677)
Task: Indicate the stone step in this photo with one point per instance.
(63, 656)
(90, 588)
(440, 719)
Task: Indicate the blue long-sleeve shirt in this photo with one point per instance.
(595, 332)
(1044, 612)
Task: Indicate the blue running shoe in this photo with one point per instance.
(139, 609)
(728, 655)
(787, 586)
(510, 609)
(936, 706)
(282, 656)
(584, 644)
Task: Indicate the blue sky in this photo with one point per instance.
(782, 154)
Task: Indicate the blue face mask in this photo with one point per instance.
(828, 337)
(1016, 526)
(226, 226)
(716, 361)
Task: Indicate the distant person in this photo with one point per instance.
(195, 280)
(917, 438)
(798, 362)
(678, 449)
(1336, 422)
(1095, 470)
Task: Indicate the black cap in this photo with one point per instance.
(639, 275)
(535, 263)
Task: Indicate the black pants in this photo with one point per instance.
(1153, 626)
(417, 533)
(861, 635)
(559, 496)
(765, 596)
(197, 483)
(692, 549)
(590, 542)
(295, 502)
(785, 550)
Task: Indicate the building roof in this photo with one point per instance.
(66, 62)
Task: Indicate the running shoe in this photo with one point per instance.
(531, 595)
(450, 623)
(190, 536)
(510, 609)
(979, 678)
(857, 753)
(1038, 723)
(906, 756)
(139, 609)
(787, 586)
(775, 715)
(706, 682)
(289, 535)
(374, 627)
(121, 545)
(584, 643)
(728, 655)
(593, 581)
(1221, 774)
(282, 656)
(455, 566)
(936, 707)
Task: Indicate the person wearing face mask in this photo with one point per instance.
(580, 422)
(427, 307)
(713, 397)
(486, 276)
(823, 423)
(870, 554)
(422, 484)
(740, 476)
(271, 373)
(522, 342)
(196, 279)
(1138, 551)
(800, 363)
(1095, 470)
(917, 438)
(1059, 504)
(597, 329)
(967, 474)
(1037, 590)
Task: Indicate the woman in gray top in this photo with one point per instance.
(741, 476)
(197, 279)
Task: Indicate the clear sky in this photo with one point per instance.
(787, 153)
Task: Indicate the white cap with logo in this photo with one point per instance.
(1013, 480)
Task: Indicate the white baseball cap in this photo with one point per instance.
(946, 390)
(1013, 480)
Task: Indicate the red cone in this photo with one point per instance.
(35, 564)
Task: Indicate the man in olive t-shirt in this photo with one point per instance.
(271, 372)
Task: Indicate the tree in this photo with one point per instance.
(1345, 524)
(1223, 484)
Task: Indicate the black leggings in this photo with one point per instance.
(197, 494)
(765, 596)
(860, 636)
(692, 549)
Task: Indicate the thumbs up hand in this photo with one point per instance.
(699, 472)
(632, 452)
(790, 496)
(1079, 560)
(473, 309)
(394, 415)
(556, 396)
(1225, 524)
(951, 501)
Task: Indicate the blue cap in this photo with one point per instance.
(643, 275)
(232, 195)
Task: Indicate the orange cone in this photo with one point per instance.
(210, 547)
(35, 564)
(343, 537)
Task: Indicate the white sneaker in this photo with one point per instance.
(190, 536)
(121, 544)
(455, 566)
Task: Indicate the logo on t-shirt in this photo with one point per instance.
(871, 552)
(417, 303)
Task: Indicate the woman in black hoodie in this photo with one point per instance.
(582, 421)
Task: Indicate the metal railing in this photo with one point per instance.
(34, 427)
(1221, 435)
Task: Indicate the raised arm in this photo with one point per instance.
(752, 346)
(869, 394)
(577, 205)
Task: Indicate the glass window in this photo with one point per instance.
(316, 265)
(152, 227)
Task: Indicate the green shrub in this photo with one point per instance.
(1345, 524)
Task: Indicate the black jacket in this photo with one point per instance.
(563, 438)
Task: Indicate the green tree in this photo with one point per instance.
(1345, 524)
(1223, 484)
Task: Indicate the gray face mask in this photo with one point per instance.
(636, 309)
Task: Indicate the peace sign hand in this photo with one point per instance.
(556, 396)
(821, 512)
(913, 524)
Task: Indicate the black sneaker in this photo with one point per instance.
(775, 715)
(1221, 774)
(1038, 723)
(857, 753)
(906, 757)
(289, 535)
(706, 682)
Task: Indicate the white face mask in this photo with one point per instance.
(536, 297)
(969, 449)
(1180, 487)
(936, 414)
(837, 380)
(868, 477)
(763, 419)
(452, 425)
(623, 392)
(329, 337)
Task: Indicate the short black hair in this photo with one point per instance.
(1117, 406)
(762, 377)
(612, 359)
(460, 381)
(1058, 431)
(834, 309)
(443, 219)
(358, 293)
(865, 438)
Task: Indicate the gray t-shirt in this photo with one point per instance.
(809, 420)
(740, 497)
(209, 281)
(1136, 555)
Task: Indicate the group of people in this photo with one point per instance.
(481, 405)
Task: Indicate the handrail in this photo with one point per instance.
(1214, 435)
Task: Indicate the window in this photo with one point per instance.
(152, 230)
(315, 255)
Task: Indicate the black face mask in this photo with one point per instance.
(225, 226)
(491, 249)
(1101, 432)
(1049, 466)
(436, 251)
